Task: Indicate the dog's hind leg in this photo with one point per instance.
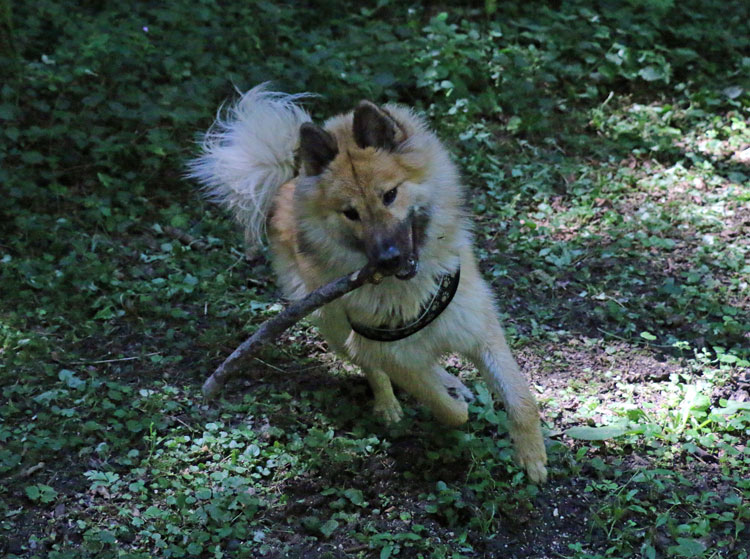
(454, 384)
(502, 375)
(433, 389)
(386, 405)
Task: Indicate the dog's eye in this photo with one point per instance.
(390, 196)
(352, 214)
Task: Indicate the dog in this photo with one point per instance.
(373, 186)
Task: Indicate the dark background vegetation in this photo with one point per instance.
(606, 145)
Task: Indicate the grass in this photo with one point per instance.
(606, 148)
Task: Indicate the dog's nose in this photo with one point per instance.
(389, 258)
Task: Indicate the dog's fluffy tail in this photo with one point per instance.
(248, 154)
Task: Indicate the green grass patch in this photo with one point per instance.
(606, 145)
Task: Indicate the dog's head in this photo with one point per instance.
(364, 179)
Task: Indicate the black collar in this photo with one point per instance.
(448, 284)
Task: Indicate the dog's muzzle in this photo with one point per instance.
(399, 254)
(391, 261)
(410, 270)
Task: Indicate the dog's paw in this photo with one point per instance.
(532, 457)
(536, 470)
(455, 387)
(388, 410)
(460, 391)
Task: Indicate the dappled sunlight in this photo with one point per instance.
(655, 240)
(606, 151)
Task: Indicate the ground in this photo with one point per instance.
(606, 149)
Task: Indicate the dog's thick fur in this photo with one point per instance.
(372, 185)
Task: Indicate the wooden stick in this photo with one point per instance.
(276, 325)
(184, 237)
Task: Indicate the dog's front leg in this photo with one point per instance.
(502, 375)
(386, 405)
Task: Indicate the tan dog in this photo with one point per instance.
(372, 186)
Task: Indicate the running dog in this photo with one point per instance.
(372, 186)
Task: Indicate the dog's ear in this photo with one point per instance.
(317, 148)
(375, 127)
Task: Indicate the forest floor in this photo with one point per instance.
(606, 151)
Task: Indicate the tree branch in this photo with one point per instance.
(286, 318)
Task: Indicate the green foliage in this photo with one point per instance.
(605, 143)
